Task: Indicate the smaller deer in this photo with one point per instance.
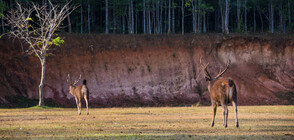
(222, 91)
(79, 92)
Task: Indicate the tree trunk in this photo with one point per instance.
(289, 12)
(41, 86)
(149, 21)
(114, 20)
(254, 19)
(245, 14)
(222, 15)
(260, 17)
(81, 18)
(194, 15)
(271, 16)
(144, 17)
(123, 22)
(199, 23)
(227, 16)
(160, 18)
(69, 24)
(89, 28)
(169, 17)
(183, 18)
(157, 17)
(204, 23)
(281, 18)
(132, 12)
(173, 17)
(106, 18)
(238, 14)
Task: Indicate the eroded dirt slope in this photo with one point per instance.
(123, 70)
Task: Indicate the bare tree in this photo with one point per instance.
(36, 26)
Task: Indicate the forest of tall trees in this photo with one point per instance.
(172, 16)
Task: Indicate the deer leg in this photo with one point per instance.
(80, 106)
(86, 99)
(225, 112)
(236, 112)
(214, 112)
(77, 102)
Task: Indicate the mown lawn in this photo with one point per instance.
(256, 122)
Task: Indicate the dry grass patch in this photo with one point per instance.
(256, 122)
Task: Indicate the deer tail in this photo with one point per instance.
(231, 82)
(85, 82)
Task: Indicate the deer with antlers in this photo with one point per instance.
(222, 91)
(79, 92)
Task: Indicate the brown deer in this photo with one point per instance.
(222, 91)
(79, 92)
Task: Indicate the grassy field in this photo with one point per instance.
(256, 122)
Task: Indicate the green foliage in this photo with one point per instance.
(29, 19)
(57, 41)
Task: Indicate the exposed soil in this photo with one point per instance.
(126, 70)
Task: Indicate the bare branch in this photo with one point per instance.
(36, 25)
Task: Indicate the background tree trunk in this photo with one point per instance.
(144, 17)
(281, 18)
(245, 16)
(238, 15)
(194, 15)
(173, 17)
(227, 16)
(106, 18)
(123, 24)
(271, 16)
(183, 18)
(289, 13)
(89, 27)
(222, 13)
(169, 17)
(254, 20)
(81, 18)
(132, 13)
(260, 17)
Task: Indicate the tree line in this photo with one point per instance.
(171, 16)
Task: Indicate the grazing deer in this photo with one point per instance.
(222, 91)
(79, 92)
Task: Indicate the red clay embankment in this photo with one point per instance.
(125, 70)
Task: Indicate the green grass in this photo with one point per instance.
(256, 122)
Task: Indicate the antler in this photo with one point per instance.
(227, 66)
(77, 80)
(68, 80)
(205, 69)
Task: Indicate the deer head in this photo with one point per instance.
(72, 85)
